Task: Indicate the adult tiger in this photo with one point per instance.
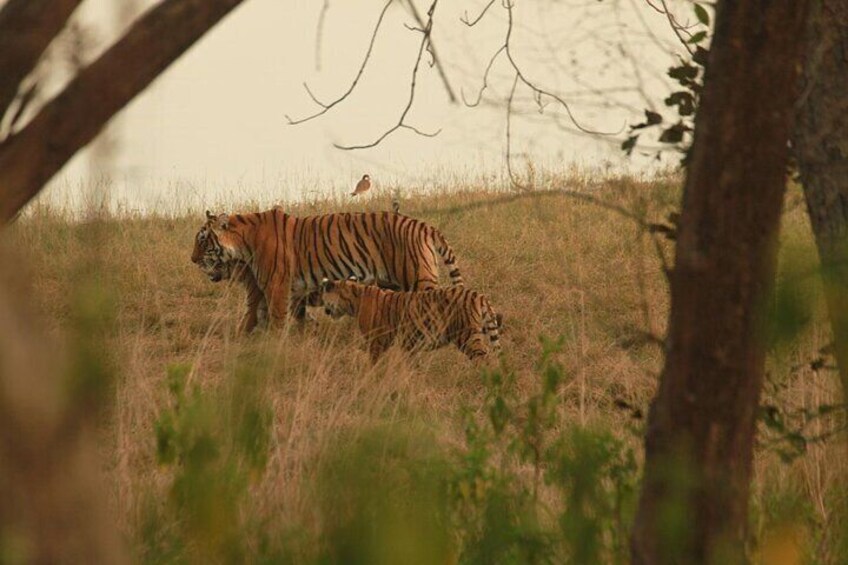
(283, 258)
(417, 320)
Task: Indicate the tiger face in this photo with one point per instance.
(337, 297)
(209, 254)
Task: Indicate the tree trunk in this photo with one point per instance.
(26, 29)
(698, 448)
(29, 158)
(821, 149)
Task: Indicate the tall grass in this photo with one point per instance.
(291, 446)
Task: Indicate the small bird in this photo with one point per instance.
(362, 186)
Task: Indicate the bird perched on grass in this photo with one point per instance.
(362, 186)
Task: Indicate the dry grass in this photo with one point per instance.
(551, 264)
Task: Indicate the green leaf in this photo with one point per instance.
(702, 14)
(697, 37)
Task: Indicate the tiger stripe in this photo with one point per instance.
(416, 320)
(289, 256)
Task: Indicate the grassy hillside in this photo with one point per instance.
(306, 442)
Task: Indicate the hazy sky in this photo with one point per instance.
(213, 127)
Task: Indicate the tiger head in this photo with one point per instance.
(213, 249)
(339, 298)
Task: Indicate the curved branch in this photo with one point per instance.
(319, 34)
(678, 29)
(422, 133)
(485, 80)
(326, 107)
(508, 5)
(30, 157)
(425, 39)
(649, 31)
(27, 27)
(465, 20)
(512, 177)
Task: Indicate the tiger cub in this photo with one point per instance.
(416, 320)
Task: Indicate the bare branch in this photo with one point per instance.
(607, 94)
(485, 79)
(30, 157)
(432, 50)
(24, 99)
(425, 39)
(319, 34)
(649, 32)
(512, 177)
(27, 27)
(677, 28)
(422, 133)
(508, 5)
(313, 97)
(469, 23)
(638, 219)
(326, 107)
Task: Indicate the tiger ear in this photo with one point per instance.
(326, 285)
(210, 215)
(224, 221)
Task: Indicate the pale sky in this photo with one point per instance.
(213, 127)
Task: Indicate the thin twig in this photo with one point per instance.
(425, 39)
(466, 21)
(485, 80)
(677, 29)
(326, 107)
(512, 177)
(508, 5)
(432, 50)
(319, 34)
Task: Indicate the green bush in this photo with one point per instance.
(589, 474)
(214, 449)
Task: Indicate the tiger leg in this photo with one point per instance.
(256, 313)
(278, 303)
(262, 312)
(248, 322)
(475, 346)
(298, 307)
(256, 308)
(376, 348)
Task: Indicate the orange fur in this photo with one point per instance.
(288, 256)
(417, 320)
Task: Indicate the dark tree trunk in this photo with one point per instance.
(698, 448)
(29, 158)
(821, 149)
(26, 29)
